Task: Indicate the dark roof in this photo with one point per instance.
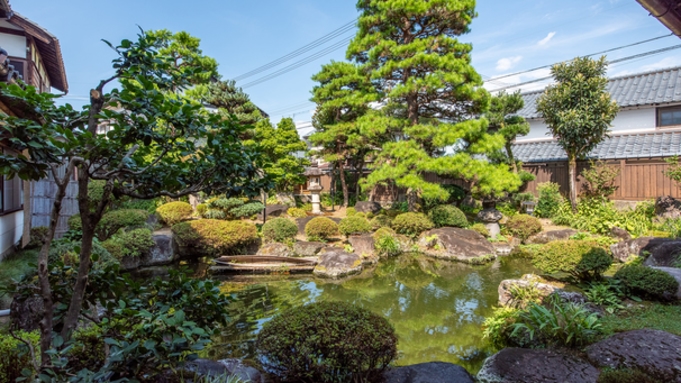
(642, 145)
(648, 88)
(49, 48)
(666, 11)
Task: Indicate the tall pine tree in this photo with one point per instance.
(231, 101)
(432, 97)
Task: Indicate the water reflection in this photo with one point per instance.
(437, 307)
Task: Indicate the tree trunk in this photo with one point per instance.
(572, 164)
(511, 159)
(344, 184)
(358, 168)
(412, 199)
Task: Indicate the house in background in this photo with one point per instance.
(647, 130)
(30, 53)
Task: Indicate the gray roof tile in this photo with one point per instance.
(649, 88)
(642, 145)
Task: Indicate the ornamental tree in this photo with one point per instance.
(156, 143)
(503, 119)
(342, 96)
(431, 94)
(578, 110)
(230, 100)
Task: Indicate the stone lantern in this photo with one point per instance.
(313, 175)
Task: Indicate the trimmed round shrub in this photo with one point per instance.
(321, 228)
(480, 228)
(130, 243)
(326, 342)
(350, 212)
(523, 226)
(213, 237)
(583, 260)
(115, 220)
(411, 224)
(279, 229)
(384, 231)
(174, 212)
(647, 282)
(447, 215)
(15, 355)
(354, 225)
(380, 221)
(295, 212)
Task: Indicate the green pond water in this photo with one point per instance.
(437, 307)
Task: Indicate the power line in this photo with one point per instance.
(286, 109)
(306, 48)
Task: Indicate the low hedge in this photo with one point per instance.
(174, 212)
(447, 215)
(523, 226)
(15, 355)
(584, 260)
(279, 230)
(321, 228)
(130, 243)
(327, 342)
(354, 225)
(411, 224)
(213, 237)
(115, 220)
(647, 282)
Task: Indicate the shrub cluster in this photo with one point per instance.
(247, 210)
(387, 245)
(115, 220)
(648, 282)
(326, 342)
(88, 351)
(295, 212)
(231, 208)
(279, 229)
(583, 260)
(549, 199)
(130, 243)
(447, 215)
(351, 211)
(213, 237)
(379, 221)
(523, 226)
(15, 355)
(411, 224)
(354, 225)
(68, 252)
(38, 237)
(321, 228)
(174, 212)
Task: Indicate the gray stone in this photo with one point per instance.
(287, 199)
(273, 211)
(644, 246)
(666, 254)
(549, 236)
(275, 249)
(307, 249)
(336, 263)
(674, 272)
(26, 314)
(432, 372)
(667, 207)
(163, 253)
(514, 365)
(619, 233)
(493, 229)
(469, 201)
(362, 244)
(367, 207)
(225, 367)
(490, 215)
(506, 287)
(655, 352)
(457, 244)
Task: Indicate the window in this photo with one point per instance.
(669, 116)
(11, 194)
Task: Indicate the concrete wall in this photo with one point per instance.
(11, 227)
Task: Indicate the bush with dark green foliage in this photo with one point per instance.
(584, 260)
(411, 224)
(115, 220)
(67, 252)
(225, 204)
(149, 205)
(549, 200)
(174, 212)
(247, 210)
(354, 225)
(211, 237)
(647, 282)
(447, 215)
(130, 243)
(38, 236)
(88, 351)
(625, 376)
(279, 230)
(327, 342)
(380, 221)
(523, 226)
(15, 355)
(295, 212)
(75, 223)
(321, 228)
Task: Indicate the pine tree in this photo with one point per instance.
(503, 119)
(432, 97)
(232, 100)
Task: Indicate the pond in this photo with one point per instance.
(437, 307)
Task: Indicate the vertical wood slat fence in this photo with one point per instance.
(42, 201)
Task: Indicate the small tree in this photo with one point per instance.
(503, 119)
(600, 179)
(578, 110)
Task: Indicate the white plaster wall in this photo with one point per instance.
(14, 45)
(538, 130)
(11, 228)
(634, 119)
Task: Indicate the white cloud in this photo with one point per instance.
(546, 39)
(666, 62)
(507, 63)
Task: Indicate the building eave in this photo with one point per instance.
(666, 11)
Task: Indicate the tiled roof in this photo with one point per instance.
(643, 145)
(649, 88)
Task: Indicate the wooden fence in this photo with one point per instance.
(42, 201)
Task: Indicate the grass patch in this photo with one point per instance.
(14, 267)
(650, 315)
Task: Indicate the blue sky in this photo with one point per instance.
(507, 37)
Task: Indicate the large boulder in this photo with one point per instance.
(512, 365)
(336, 263)
(674, 272)
(655, 352)
(163, 252)
(507, 286)
(200, 368)
(641, 246)
(666, 254)
(667, 207)
(431, 372)
(273, 211)
(362, 244)
(26, 313)
(367, 207)
(619, 234)
(457, 244)
(275, 249)
(307, 249)
(549, 236)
